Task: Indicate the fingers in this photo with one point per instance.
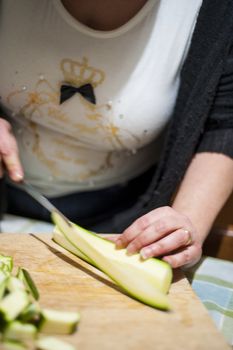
(152, 226)
(9, 158)
(158, 230)
(172, 242)
(142, 224)
(187, 257)
(163, 232)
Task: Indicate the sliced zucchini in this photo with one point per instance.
(14, 284)
(51, 343)
(60, 239)
(20, 331)
(4, 277)
(7, 261)
(13, 345)
(31, 313)
(13, 304)
(58, 322)
(26, 278)
(146, 280)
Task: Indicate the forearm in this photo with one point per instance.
(205, 188)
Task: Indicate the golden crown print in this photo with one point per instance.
(80, 73)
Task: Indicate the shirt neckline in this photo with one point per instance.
(73, 22)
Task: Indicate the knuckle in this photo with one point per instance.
(142, 222)
(159, 247)
(161, 225)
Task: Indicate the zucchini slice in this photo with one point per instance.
(60, 239)
(7, 261)
(146, 280)
(13, 304)
(14, 345)
(31, 313)
(19, 331)
(4, 277)
(58, 322)
(26, 278)
(50, 343)
(14, 284)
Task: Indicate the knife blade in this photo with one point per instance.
(40, 198)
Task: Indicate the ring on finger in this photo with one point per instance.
(189, 240)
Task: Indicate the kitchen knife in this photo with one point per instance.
(27, 187)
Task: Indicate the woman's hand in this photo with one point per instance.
(165, 233)
(9, 157)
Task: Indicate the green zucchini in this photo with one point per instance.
(31, 313)
(58, 322)
(7, 261)
(13, 345)
(146, 280)
(26, 278)
(14, 284)
(50, 343)
(4, 277)
(60, 239)
(20, 331)
(13, 304)
(21, 316)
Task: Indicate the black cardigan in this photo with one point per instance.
(203, 115)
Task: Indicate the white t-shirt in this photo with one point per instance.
(134, 71)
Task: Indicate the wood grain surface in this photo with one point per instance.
(109, 318)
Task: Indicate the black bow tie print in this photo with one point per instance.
(86, 90)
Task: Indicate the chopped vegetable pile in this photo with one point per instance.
(23, 323)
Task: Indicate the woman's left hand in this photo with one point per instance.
(165, 233)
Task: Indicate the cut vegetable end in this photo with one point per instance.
(7, 261)
(31, 313)
(14, 284)
(146, 281)
(50, 343)
(13, 304)
(14, 345)
(20, 331)
(58, 322)
(20, 314)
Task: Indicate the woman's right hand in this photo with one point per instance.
(9, 155)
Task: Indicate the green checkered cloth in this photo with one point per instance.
(211, 279)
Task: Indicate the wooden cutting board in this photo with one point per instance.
(109, 318)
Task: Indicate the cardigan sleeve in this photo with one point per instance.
(218, 132)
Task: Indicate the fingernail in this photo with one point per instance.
(18, 176)
(144, 254)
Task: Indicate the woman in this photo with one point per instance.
(90, 90)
